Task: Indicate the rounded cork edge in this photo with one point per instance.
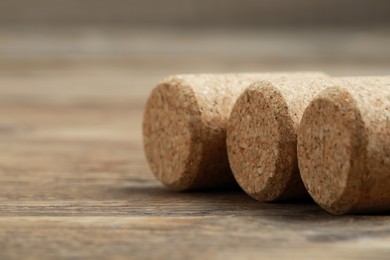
(332, 145)
(171, 127)
(262, 145)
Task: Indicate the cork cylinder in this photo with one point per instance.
(184, 128)
(261, 137)
(344, 147)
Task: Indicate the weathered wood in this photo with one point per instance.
(74, 181)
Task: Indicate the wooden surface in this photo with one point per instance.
(74, 180)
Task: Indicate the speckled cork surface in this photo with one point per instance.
(184, 127)
(344, 146)
(261, 137)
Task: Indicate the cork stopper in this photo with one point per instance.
(173, 118)
(344, 146)
(261, 137)
(184, 127)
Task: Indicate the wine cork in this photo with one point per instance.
(184, 127)
(344, 146)
(261, 137)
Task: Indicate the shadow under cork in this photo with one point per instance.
(233, 202)
(234, 206)
(220, 202)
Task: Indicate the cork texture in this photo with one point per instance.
(184, 127)
(344, 146)
(262, 137)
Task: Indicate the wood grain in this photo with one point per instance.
(74, 182)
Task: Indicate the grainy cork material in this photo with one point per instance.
(344, 146)
(184, 127)
(261, 137)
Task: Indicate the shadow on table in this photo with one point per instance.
(157, 200)
(161, 201)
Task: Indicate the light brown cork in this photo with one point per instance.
(184, 127)
(344, 146)
(261, 137)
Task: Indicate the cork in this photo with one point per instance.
(262, 137)
(184, 127)
(344, 146)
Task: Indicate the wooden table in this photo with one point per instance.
(74, 180)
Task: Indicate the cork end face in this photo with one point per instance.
(260, 141)
(331, 149)
(170, 128)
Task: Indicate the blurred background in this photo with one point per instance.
(64, 50)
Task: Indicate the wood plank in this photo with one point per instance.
(74, 181)
(219, 237)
